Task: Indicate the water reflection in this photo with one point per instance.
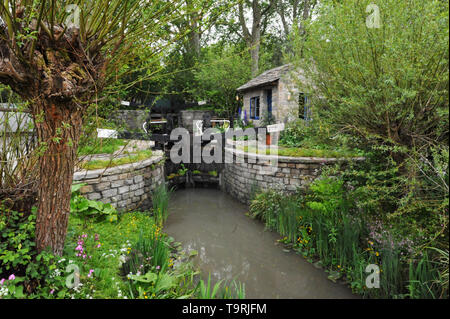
(231, 246)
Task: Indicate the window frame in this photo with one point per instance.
(305, 113)
(255, 107)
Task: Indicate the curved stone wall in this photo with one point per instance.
(251, 172)
(126, 187)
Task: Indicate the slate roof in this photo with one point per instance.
(266, 77)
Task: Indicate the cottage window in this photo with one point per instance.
(254, 108)
(304, 109)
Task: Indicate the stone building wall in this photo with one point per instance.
(126, 187)
(262, 93)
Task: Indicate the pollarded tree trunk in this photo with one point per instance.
(58, 131)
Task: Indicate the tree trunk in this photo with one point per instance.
(254, 53)
(59, 132)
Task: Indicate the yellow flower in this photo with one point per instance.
(377, 254)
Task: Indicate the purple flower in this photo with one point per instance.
(99, 245)
(158, 267)
(12, 277)
(52, 291)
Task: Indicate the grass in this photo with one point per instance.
(101, 146)
(160, 202)
(115, 240)
(320, 226)
(300, 152)
(98, 164)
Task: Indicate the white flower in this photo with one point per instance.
(3, 291)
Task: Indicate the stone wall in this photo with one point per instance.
(250, 173)
(187, 117)
(130, 120)
(126, 187)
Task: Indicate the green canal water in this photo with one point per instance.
(231, 245)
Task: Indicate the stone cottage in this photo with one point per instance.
(274, 93)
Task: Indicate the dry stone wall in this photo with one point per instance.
(126, 187)
(250, 173)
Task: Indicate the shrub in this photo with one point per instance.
(23, 271)
(85, 208)
(325, 225)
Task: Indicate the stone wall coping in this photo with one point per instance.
(125, 168)
(290, 159)
(195, 111)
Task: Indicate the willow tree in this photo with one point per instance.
(58, 56)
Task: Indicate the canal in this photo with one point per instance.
(231, 246)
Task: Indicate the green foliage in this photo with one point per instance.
(101, 146)
(301, 152)
(223, 69)
(86, 209)
(16, 246)
(205, 291)
(132, 158)
(33, 273)
(106, 247)
(160, 200)
(220, 290)
(327, 227)
(213, 173)
(385, 90)
(156, 269)
(377, 81)
(182, 171)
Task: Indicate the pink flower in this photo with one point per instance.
(79, 247)
(12, 277)
(90, 272)
(158, 267)
(52, 291)
(2, 281)
(99, 245)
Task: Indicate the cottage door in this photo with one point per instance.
(269, 103)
